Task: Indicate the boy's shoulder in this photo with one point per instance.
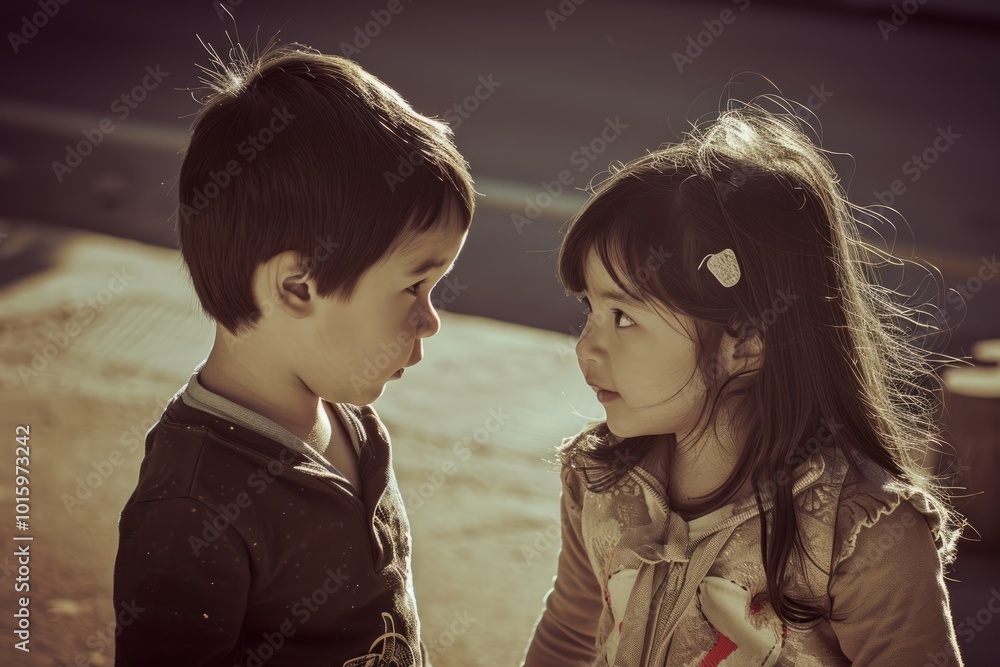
(193, 453)
(189, 452)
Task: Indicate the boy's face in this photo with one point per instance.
(356, 348)
(644, 358)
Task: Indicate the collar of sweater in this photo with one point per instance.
(691, 532)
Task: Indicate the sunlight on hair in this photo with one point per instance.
(227, 77)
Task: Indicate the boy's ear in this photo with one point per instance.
(293, 287)
(297, 285)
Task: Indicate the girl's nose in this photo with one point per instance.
(586, 350)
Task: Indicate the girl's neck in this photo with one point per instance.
(692, 470)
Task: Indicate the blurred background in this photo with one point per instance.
(95, 111)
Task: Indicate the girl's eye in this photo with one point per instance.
(413, 289)
(618, 314)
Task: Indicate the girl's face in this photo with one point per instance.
(641, 359)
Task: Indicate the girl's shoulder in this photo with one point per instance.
(855, 496)
(573, 486)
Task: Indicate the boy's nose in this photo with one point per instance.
(429, 323)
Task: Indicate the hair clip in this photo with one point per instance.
(724, 267)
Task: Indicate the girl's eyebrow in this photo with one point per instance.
(610, 295)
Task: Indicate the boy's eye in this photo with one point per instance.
(619, 316)
(414, 288)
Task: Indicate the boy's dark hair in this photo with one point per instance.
(303, 151)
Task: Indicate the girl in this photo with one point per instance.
(727, 285)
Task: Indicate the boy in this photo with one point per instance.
(317, 211)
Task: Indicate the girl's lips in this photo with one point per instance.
(605, 396)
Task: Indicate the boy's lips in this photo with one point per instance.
(399, 373)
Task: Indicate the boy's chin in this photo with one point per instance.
(371, 392)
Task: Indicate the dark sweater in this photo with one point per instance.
(236, 549)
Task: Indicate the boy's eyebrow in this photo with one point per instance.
(427, 266)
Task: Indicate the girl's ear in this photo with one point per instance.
(750, 345)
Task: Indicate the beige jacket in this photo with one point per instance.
(638, 585)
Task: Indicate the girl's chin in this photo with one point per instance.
(623, 430)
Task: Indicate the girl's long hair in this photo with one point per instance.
(838, 346)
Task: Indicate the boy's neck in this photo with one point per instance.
(263, 391)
